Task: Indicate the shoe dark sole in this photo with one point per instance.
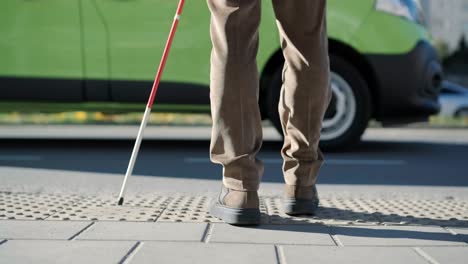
(236, 216)
(300, 206)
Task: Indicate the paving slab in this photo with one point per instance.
(179, 207)
(145, 231)
(53, 251)
(394, 236)
(31, 180)
(33, 206)
(363, 255)
(181, 253)
(272, 234)
(108, 213)
(448, 255)
(24, 229)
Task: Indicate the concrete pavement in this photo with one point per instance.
(137, 242)
(40, 227)
(69, 216)
(28, 180)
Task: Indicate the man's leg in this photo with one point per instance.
(304, 96)
(237, 132)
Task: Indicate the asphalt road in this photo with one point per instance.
(403, 158)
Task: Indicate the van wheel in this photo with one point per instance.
(348, 113)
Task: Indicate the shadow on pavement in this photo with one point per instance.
(398, 217)
(415, 228)
(357, 235)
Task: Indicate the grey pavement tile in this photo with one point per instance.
(23, 229)
(448, 255)
(278, 234)
(181, 253)
(145, 231)
(394, 236)
(333, 255)
(462, 233)
(53, 251)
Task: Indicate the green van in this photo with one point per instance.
(80, 51)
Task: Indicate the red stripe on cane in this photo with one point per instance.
(157, 80)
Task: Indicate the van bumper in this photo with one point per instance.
(409, 84)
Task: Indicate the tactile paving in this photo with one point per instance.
(24, 206)
(330, 211)
(95, 208)
(186, 208)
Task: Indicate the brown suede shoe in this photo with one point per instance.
(300, 200)
(237, 207)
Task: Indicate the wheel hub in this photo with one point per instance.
(342, 109)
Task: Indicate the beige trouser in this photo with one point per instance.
(237, 132)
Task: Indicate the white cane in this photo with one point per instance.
(146, 116)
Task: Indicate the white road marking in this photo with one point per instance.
(19, 158)
(425, 256)
(365, 162)
(328, 161)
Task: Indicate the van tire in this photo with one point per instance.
(341, 70)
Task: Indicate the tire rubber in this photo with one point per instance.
(361, 92)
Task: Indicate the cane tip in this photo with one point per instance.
(121, 200)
